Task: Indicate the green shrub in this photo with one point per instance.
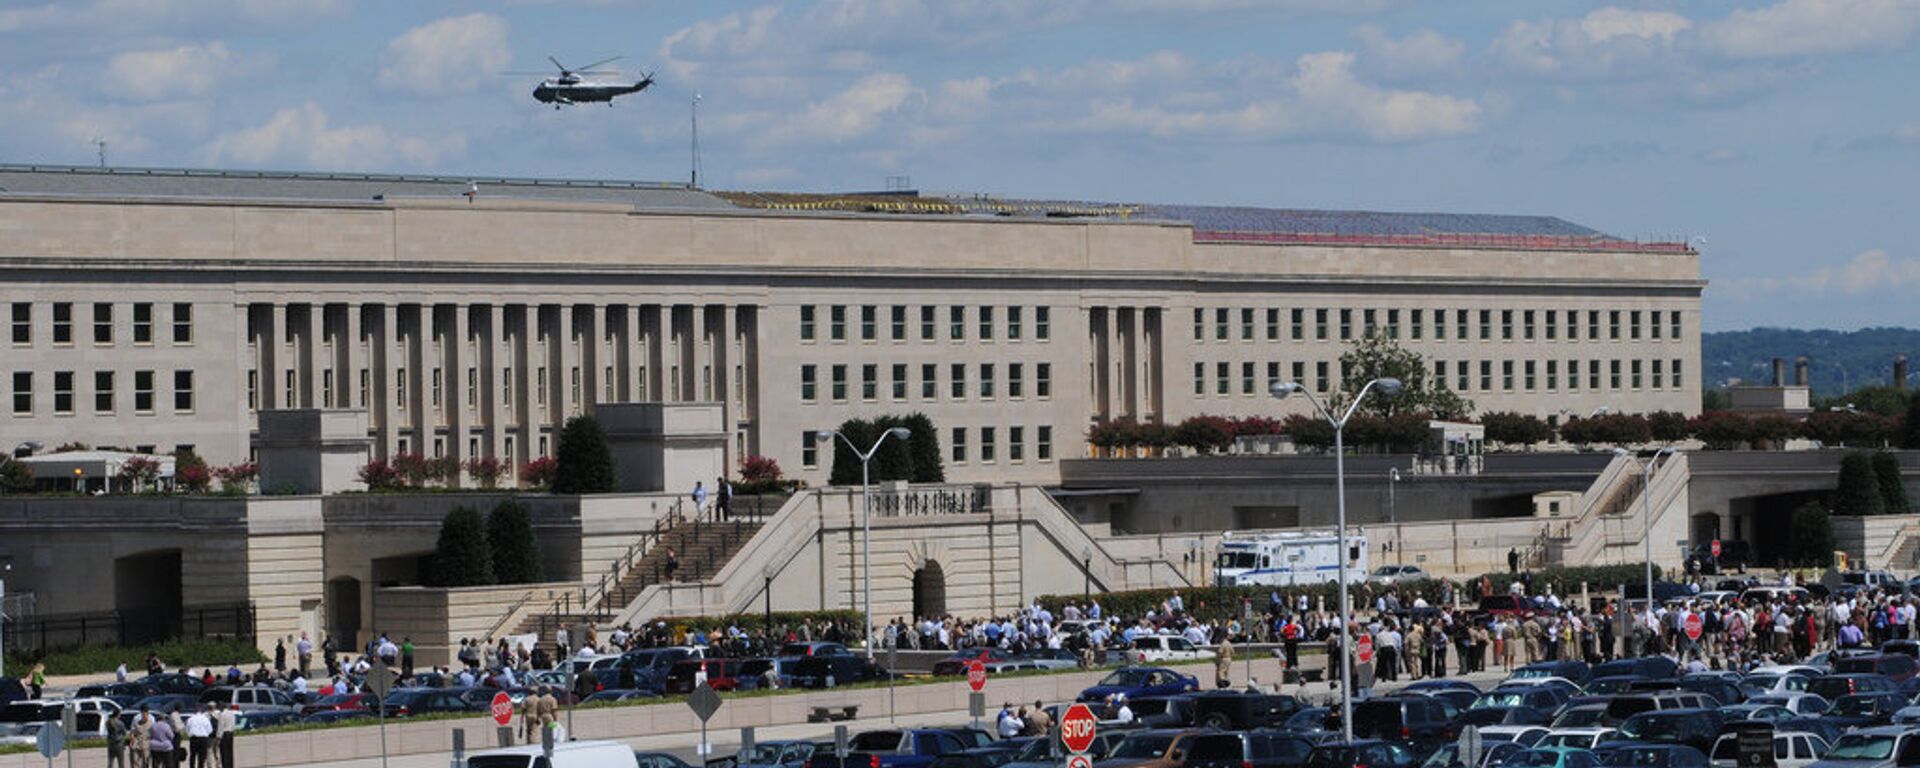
(1893, 490)
(1811, 536)
(584, 461)
(511, 542)
(1857, 492)
(461, 558)
(174, 653)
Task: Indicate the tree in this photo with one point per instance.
(1857, 492)
(512, 544)
(1204, 434)
(413, 469)
(1910, 426)
(461, 557)
(1837, 428)
(1811, 540)
(1893, 490)
(1376, 356)
(487, 470)
(759, 469)
(584, 460)
(237, 478)
(925, 447)
(1607, 428)
(1880, 400)
(1308, 431)
(190, 472)
(16, 477)
(1399, 433)
(1722, 430)
(1509, 428)
(141, 470)
(380, 476)
(538, 474)
(1667, 426)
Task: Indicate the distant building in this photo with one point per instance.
(151, 310)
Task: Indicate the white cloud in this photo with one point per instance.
(455, 54)
(1609, 23)
(851, 113)
(149, 16)
(187, 70)
(303, 137)
(1602, 43)
(1794, 28)
(1421, 54)
(1868, 272)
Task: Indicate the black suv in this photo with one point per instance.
(1695, 728)
(1257, 749)
(1241, 710)
(1419, 720)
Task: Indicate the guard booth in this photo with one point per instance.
(1453, 448)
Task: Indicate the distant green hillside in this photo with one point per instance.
(1841, 361)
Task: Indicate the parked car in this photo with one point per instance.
(1159, 748)
(1862, 710)
(173, 682)
(1897, 667)
(1420, 721)
(1646, 667)
(1695, 728)
(722, 674)
(646, 668)
(832, 671)
(1524, 735)
(1578, 738)
(1552, 757)
(1491, 756)
(913, 748)
(1242, 710)
(11, 691)
(1049, 658)
(1506, 605)
(1626, 706)
(249, 698)
(1393, 574)
(1791, 749)
(1248, 749)
(1832, 687)
(994, 659)
(407, 702)
(1801, 704)
(1637, 755)
(121, 693)
(619, 694)
(815, 648)
(1155, 649)
(1372, 753)
(1135, 682)
(1761, 683)
(568, 754)
(338, 701)
(1577, 672)
(1884, 747)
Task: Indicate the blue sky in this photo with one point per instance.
(1784, 132)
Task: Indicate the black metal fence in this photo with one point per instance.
(38, 634)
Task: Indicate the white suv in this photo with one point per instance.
(1149, 649)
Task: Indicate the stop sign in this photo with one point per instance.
(976, 674)
(501, 709)
(1693, 626)
(1076, 728)
(1716, 548)
(1365, 649)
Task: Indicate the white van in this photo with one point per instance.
(570, 754)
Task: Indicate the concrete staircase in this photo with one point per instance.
(1610, 524)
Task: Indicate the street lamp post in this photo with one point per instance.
(1646, 516)
(6, 567)
(1389, 387)
(1393, 512)
(1086, 575)
(866, 524)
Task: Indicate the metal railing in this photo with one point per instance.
(35, 635)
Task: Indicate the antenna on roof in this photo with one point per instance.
(694, 177)
(100, 147)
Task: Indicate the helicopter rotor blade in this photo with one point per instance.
(602, 61)
(557, 64)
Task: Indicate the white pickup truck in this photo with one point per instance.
(1154, 649)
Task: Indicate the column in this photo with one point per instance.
(750, 364)
(416, 334)
(1147, 364)
(459, 359)
(274, 350)
(312, 357)
(659, 338)
(1127, 383)
(380, 382)
(724, 360)
(696, 353)
(492, 360)
(620, 328)
(569, 359)
(347, 381)
(593, 386)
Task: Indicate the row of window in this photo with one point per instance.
(1461, 376)
(541, 390)
(986, 448)
(180, 323)
(899, 383)
(984, 318)
(105, 387)
(1524, 324)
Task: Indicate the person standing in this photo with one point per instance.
(139, 741)
(37, 679)
(530, 717)
(303, 651)
(200, 736)
(1222, 666)
(672, 564)
(116, 743)
(224, 725)
(406, 657)
(280, 656)
(549, 707)
(723, 497)
(699, 497)
(160, 738)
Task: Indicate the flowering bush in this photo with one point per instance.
(380, 476)
(238, 477)
(193, 478)
(413, 468)
(539, 472)
(759, 469)
(141, 470)
(487, 470)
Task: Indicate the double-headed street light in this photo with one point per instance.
(866, 523)
(1646, 517)
(1388, 387)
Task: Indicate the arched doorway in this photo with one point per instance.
(930, 590)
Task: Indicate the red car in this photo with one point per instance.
(957, 663)
(338, 701)
(722, 674)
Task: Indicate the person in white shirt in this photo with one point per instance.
(1125, 714)
(1009, 725)
(225, 722)
(200, 736)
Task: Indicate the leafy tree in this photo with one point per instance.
(1376, 356)
(381, 476)
(584, 461)
(925, 447)
(1204, 434)
(1122, 432)
(1308, 431)
(461, 557)
(16, 477)
(1910, 426)
(539, 473)
(512, 544)
(1858, 490)
(1893, 490)
(1399, 433)
(142, 470)
(759, 469)
(1722, 430)
(1509, 428)
(893, 460)
(1607, 428)
(1811, 539)
(190, 472)
(1836, 428)
(488, 470)
(1884, 401)
(1667, 426)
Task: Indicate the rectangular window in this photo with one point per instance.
(143, 392)
(839, 382)
(1613, 374)
(1246, 324)
(1506, 375)
(869, 382)
(1273, 375)
(1043, 380)
(183, 391)
(433, 377)
(1527, 370)
(1553, 324)
(957, 323)
(1299, 373)
(1673, 328)
(1593, 372)
(1298, 329)
(1368, 326)
(1043, 323)
(1199, 379)
(1593, 325)
(253, 390)
(927, 323)
(810, 449)
(1418, 322)
(986, 323)
(1659, 369)
(1320, 324)
(1273, 324)
(22, 393)
(103, 391)
(869, 323)
(1653, 325)
(957, 386)
(1016, 380)
(1465, 374)
(1460, 324)
(1633, 325)
(22, 323)
(506, 385)
(143, 323)
(837, 322)
(1506, 324)
(292, 396)
(1573, 375)
(809, 383)
(1016, 444)
(1223, 378)
(1439, 325)
(1043, 443)
(1486, 375)
(1321, 380)
(1220, 323)
(959, 444)
(986, 445)
(1613, 324)
(326, 387)
(1393, 323)
(63, 323)
(1246, 378)
(897, 323)
(63, 393)
(899, 381)
(929, 381)
(1199, 324)
(1013, 323)
(1573, 325)
(1346, 324)
(1440, 373)
(1635, 373)
(183, 323)
(1526, 325)
(1486, 324)
(102, 323)
(1553, 375)
(1676, 372)
(806, 322)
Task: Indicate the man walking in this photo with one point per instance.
(723, 497)
(1223, 664)
(224, 724)
(138, 740)
(160, 738)
(699, 497)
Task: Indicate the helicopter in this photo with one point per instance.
(578, 86)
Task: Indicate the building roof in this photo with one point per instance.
(1211, 224)
(88, 181)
